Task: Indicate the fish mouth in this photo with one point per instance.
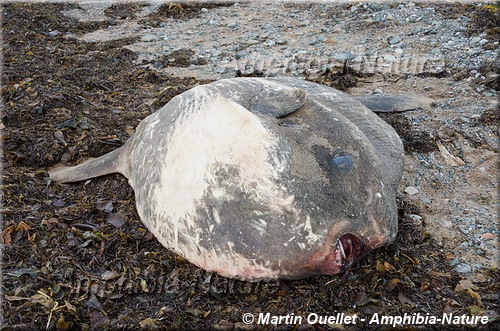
(348, 249)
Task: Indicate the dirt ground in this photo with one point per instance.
(78, 257)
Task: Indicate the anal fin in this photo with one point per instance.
(397, 102)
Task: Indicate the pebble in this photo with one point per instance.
(414, 18)
(415, 217)
(379, 91)
(488, 236)
(149, 38)
(54, 33)
(410, 190)
(389, 58)
(463, 268)
(358, 59)
(220, 70)
(304, 23)
(343, 55)
(394, 40)
(475, 40)
(252, 42)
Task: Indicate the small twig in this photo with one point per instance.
(107, 137)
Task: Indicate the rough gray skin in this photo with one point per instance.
(262, 178)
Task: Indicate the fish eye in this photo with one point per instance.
(343, 162)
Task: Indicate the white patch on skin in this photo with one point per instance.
(259, 225)
(311, 236)
(216, 216)
(233, 265)
(218, 192)
(210, 132)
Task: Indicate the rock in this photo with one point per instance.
(475, 40)
(304, 23)
(411, 190)
(389, 58)
(488, 236)
(149, 37)
(394, 40)
(416, 217)
(270, 43)
(463, 268)
(251, 42)
(241, 54)
(220, 70)
(378, 91)
(54, 33)
(358, 59)
(414, 19)
(343, 55)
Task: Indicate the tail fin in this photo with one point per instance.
(103, 165)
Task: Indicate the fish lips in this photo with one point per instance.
(348, 249)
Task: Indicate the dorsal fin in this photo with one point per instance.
(262, 96)
(278, 103)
